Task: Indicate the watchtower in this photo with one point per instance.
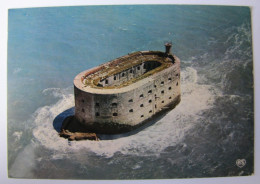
(168, 46)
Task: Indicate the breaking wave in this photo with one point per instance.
(168, 131)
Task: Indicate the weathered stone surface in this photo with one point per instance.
(73, 125)
(78, 135)
(125, 93)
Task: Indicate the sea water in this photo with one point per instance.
(204, 136)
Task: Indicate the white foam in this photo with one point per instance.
(44, 131)
(17, 135)
(123, 28)
(151, 141)
(57, 92)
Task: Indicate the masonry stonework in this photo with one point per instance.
(125, 93)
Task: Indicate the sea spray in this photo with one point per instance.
(152, 140)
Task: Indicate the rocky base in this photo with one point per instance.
(78, 135)
(73, 130)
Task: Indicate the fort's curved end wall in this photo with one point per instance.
(116, 110)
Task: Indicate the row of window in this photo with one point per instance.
(123, 74)
(97, 114)
(113, 105)
(131, 100)
(142, 105)
(115, 114)
(146, 66)
(149, 92)
(131, 71)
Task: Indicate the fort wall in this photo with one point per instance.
(130, 105)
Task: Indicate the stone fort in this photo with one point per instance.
(127, 92)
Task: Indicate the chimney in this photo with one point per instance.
(168, 46)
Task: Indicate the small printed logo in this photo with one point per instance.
(240, 163)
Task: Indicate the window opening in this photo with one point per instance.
(114, 114)
(114, 104)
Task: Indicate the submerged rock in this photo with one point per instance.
(72, 136)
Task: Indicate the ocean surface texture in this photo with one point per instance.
(209, 134)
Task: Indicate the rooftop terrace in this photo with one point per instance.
(127, 69)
